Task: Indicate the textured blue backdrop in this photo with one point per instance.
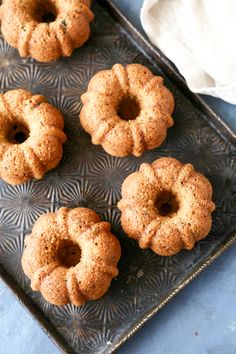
(202, 319)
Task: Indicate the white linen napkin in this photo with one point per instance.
(199, 36)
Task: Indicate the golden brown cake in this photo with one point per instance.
(166, 206)
(127, 110)
(45, 29)
(31, 136)
(71, 256)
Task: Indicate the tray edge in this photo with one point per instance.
(44, 323)
(187, 280)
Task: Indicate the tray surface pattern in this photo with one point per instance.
(89, 177)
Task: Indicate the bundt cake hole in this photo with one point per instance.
(48, 17)
(68, 254)
(167, 204)
(128, 108)
(18, 134)
(46, 12)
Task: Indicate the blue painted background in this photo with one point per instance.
(200, 320)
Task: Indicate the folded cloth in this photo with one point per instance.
(199, 37)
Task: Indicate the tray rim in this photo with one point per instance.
(171, 295)
(35, 312)
(218, 124)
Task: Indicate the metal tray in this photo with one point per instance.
(87, 176)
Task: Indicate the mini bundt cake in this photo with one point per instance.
(45, 29)
(71, 256)
(127, 110)
(31, 136)
(166, 206)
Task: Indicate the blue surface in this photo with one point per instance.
(200, 320)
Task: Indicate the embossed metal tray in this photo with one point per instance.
(87, 176)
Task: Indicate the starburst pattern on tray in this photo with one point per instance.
(109, 173)
(67, 71)
(184, 124)
(148, 156)
(104, 339)
(111, 308)
(110, 30)
(224, 183)
(79, 152)
(11, 65)
(83, 194)
(69, 107)
(88, 176)
(40, 301)
(184, 259)
(74, 321)
(35, 80)
(55, 182)
(78, 84)
(112, 215)
(7, 232)
(214, 238)
(11, 258)
(23, 204)
(202, 150)
(117, 51)
(138, 269)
